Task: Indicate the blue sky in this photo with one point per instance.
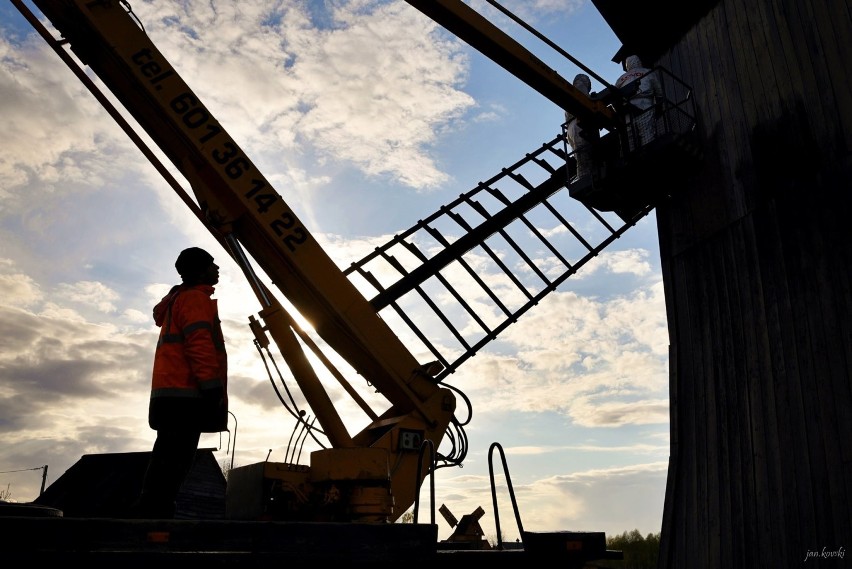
(366, 117)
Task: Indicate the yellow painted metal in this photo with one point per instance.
(350, 464)
(278, 325)
(491, 41)
(238, 201)
(235, 195)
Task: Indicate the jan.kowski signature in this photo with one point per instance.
(825, 553)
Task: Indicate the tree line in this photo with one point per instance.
(639, 552)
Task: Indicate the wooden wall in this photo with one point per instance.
(757, 258)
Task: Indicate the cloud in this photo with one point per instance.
(606, 412)
(54, 366)
(611, 500)
(19, 289)
(89, 293)
(492, 112)
(136, 316)
(282, 81)
(598, 500)
(543, 450)
(383, 126)
(42, 133)
(632, 261)
(598, 363)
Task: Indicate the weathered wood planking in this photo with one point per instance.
(757, 256)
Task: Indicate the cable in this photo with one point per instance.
(298, 415)
(301, 446)
(547, 41)
(130, 12)
(21, 470)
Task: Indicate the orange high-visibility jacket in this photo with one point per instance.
(190, 379)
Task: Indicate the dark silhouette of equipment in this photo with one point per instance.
(468, 533)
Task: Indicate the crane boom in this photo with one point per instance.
(229, 188)
(241, 207)
(373, 474)
(479, 33)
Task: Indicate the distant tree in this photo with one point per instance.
(492, 539)
(639, 552)
(5, 494)
(407, 517)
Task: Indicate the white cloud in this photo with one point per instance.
(632, 261)
(611, 500)
(19, 289)
(490, 113)
(41, 133)
(89, 293)
(601, 364)
(283, 83)
(598, 500)
(136, 316)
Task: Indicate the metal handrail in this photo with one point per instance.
(494, 494)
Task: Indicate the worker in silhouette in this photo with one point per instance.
(643, 90)
(189, 381)
(579, 138)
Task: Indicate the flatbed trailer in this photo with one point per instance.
(43, 538)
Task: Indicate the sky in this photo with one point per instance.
(366, 116)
